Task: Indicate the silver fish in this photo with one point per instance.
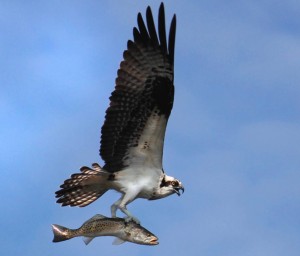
(100, 225)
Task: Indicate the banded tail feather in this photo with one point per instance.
(83, 188)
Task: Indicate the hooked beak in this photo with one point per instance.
(177, 190)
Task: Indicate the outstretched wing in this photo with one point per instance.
(135, 122)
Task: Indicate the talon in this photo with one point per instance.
(131, 218)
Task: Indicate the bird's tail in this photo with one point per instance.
(85, 187)
(61, 233)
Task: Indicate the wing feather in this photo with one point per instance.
(140, 105)
(162, 29)
(143, 30)
(151, 27)
(172, 35)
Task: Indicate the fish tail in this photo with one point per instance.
(60, 233)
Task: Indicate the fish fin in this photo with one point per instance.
(87, 239)
(96, 217)
(118, 241)
(60, 233)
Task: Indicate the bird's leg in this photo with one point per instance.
(115, 207)
(121, 205)
(130, 216)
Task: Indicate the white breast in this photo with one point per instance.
(139, 181)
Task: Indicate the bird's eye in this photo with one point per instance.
(174, 183)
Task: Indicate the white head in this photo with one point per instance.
(168, 186)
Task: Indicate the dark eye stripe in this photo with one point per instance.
(173, 183)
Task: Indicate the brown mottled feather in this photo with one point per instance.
(144, 92)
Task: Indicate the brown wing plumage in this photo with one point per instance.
(142, 101)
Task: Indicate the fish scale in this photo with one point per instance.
(100, 225)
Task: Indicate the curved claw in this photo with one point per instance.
(132, 218)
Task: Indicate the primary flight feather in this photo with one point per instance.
(132, 136)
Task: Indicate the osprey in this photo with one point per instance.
(132, 136)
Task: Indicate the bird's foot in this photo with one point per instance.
(132, 218)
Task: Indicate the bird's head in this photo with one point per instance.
(168, 186)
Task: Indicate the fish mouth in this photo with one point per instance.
(153, 241)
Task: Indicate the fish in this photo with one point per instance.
(100, 225)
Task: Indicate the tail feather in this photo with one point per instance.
(83, 188)
(60, 233)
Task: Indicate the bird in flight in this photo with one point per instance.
(132, 136)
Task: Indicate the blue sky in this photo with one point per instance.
(233, 136)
